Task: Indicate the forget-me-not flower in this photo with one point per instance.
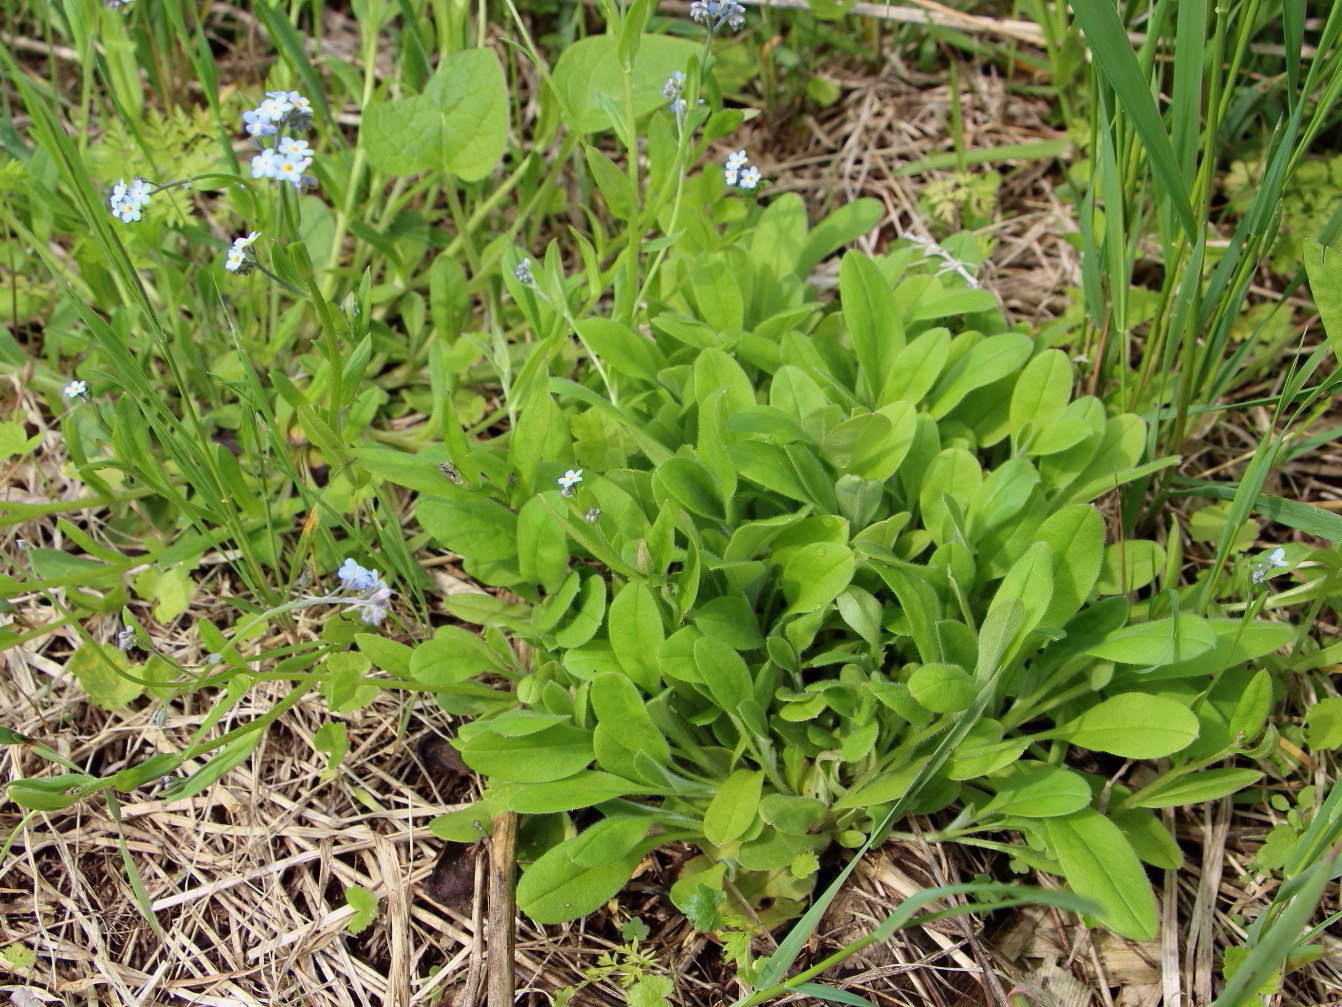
(76, 390)
(713, 14)
(287, 157)
(522, 271)
(1262, 568)
(568, 480)
(737, 170)
(370, 592)
(125, 199)
(239, 259)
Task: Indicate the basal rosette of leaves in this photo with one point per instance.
(824, 558)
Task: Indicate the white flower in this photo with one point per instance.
(750, 178)
(76, 390)
(568, 480)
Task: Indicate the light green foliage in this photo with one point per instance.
(364, 904)
(459, 124)
(837, 531)
(590, 80)
(834, 557)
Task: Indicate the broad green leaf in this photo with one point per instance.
(723, 670)
(587, 620)
(734, 807)
(459, 123)
(621, 348)
(816, 574)
(607, 841)
(849, 221)
(691, 485)
(551, 754)
(623, 727)
(1099, 863)
(345, 684)
(1041, 391)
(464, 825)
(990, 360)
(1175, 791)
(1160, 642)
(555, 889)
(1150, 840)
(480, 530)
(1035, 790)
(387, 655)
(1323, 724)
(873, 322)
(102, 672)
(591, 67)
(1080, 419)
(50, 793)
(542, 545)
(916, 368)
(14, 440)
(636, 633)
(943, 688)
(585, 790)
(449, 657)
(1133, 725)
(1076, 536)
(1130, 565)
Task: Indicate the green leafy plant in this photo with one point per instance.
(774, 553)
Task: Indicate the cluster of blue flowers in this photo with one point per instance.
(287, 157)
(738, 171)
(366, 591)
(714, 14)
(125, 199)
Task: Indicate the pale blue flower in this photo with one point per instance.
(292, 147)
(522, 271)
(568, 480)
(737, 170)
(239, 259)
(1261, 569)
(713, 14)
(372, 592)
(76, 390)
(290, 169)
(266, 164)
(124, 199)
